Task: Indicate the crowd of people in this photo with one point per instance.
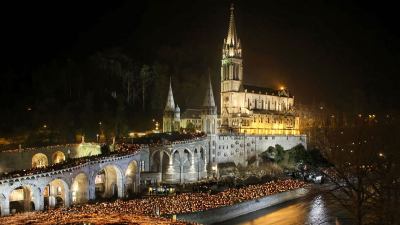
(164, 205)
(60, 216)
(25, 149)
(167, 138)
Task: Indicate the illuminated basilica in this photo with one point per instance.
(244, 108)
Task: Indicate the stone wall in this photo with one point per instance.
(229, 212)
(240, 148)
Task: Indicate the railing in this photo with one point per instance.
(189, 141)
(69, 169)
(40, 147)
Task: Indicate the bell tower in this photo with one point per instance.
(231, 67)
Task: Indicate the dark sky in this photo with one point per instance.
(321, 50)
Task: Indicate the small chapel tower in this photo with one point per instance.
(171, 117)
(209, 112)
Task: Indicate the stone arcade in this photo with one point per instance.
(102, 178)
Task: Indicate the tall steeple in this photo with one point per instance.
(170, 106)
(232, 46)
(231, 70)
(232, 38)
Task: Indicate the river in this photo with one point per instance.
(316, 210)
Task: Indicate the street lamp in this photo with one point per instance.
(131, 134)
(97, 135)
(240, 122)
(198, 169)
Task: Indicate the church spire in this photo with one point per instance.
(232, 38)
(209, 99)
(170, 106)
(232, 48)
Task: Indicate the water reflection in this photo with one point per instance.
(319, 210)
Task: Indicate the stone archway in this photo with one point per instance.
(109, 182)
(160, 161)
(56, 194)
(23, 198)
(187, 161)
(39, 160)
(176, 164)
(80, 189)
(58, 157)
(131, 178)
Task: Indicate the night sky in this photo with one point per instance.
(320, 50)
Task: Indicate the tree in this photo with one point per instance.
(364, 174)
(279, 153)
(275, 154)
(145, 77)
(190, 127)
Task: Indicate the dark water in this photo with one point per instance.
(317, 210)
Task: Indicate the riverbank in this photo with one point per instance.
(224, 213)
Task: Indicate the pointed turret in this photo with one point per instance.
(171, 117)
(209, 98)
(209, 114)
(170, 106)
